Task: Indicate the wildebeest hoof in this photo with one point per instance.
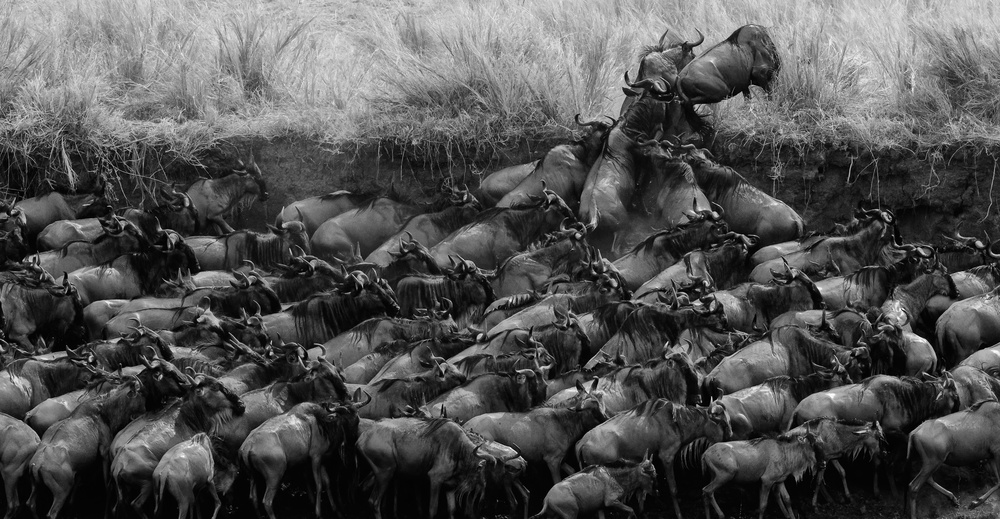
(972, 505)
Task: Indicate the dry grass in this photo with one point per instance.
(106, 80)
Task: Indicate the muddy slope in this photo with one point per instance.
(930, 194)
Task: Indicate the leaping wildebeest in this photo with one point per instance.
(747, 57)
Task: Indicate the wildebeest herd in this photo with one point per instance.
(387, 345)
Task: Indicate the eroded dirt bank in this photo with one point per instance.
(930, 193)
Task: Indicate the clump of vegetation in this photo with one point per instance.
(108, 81)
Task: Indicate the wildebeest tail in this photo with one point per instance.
(689, 457)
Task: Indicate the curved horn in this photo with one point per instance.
(701, 39)
(589, 124)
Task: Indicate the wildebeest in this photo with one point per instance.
(17, 445)
(665, 248)
(672, 378)
(769, 461)
(467, 287)
(898, 404)
(35, 311)
(967, 326)
(265, 250)
(82, 441)
(137, 449)
(216, 199)
(751, 306)
(184, 469)
(787, 351)
(26, 383)
(595, 488)
(499, 233)
(839, 438)
(134, 274)
(564, 168)
(747, 57)
(35, 213)
(960, 439)
(437, 448)
(767, 407)
(307, 432)
(427, 229)
(658, 64)
(379, 332)
(500, 182)
(719, 266)
(656, 426)
(490, 393)
(323, 316)
(389, 396)
(558, 253)
(544, 434)
(315, 210)
(75, 255)
(353, 235)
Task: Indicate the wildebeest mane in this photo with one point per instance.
(433, 425)
(450, 217)
(911, 393)
(675, 240)
(206, 367)
(495, 363)
(329, 314)
(391, 194)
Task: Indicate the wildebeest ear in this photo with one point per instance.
(579, 387)
(273, 229)
(205, 303)
(593, 385)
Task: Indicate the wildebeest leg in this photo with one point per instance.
(60, 483)
(317, 469)
(982, 499)
(272, 480)
(554, 467)
(215, 498)
(382, 480)
(11, 475)
(329, 490)
(33, 497)
(765, 492)
(434, 495)
(623, 507)
(785, 501)
(525, 496)
(224, 226)
(145, 490)
(668, 469)
(450, 498)
(843, 478)
(925, 475)
(708, 493)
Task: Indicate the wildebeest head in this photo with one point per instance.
(12, 246)
(161, 380)
(589, 400)
(766, 62)
(176, 256)
(254, 183)
(293, 234)
(358, 282)
(947, 399)
(214, 398)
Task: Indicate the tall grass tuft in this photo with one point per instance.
(444, 79)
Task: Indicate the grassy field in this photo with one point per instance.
(108, 80)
